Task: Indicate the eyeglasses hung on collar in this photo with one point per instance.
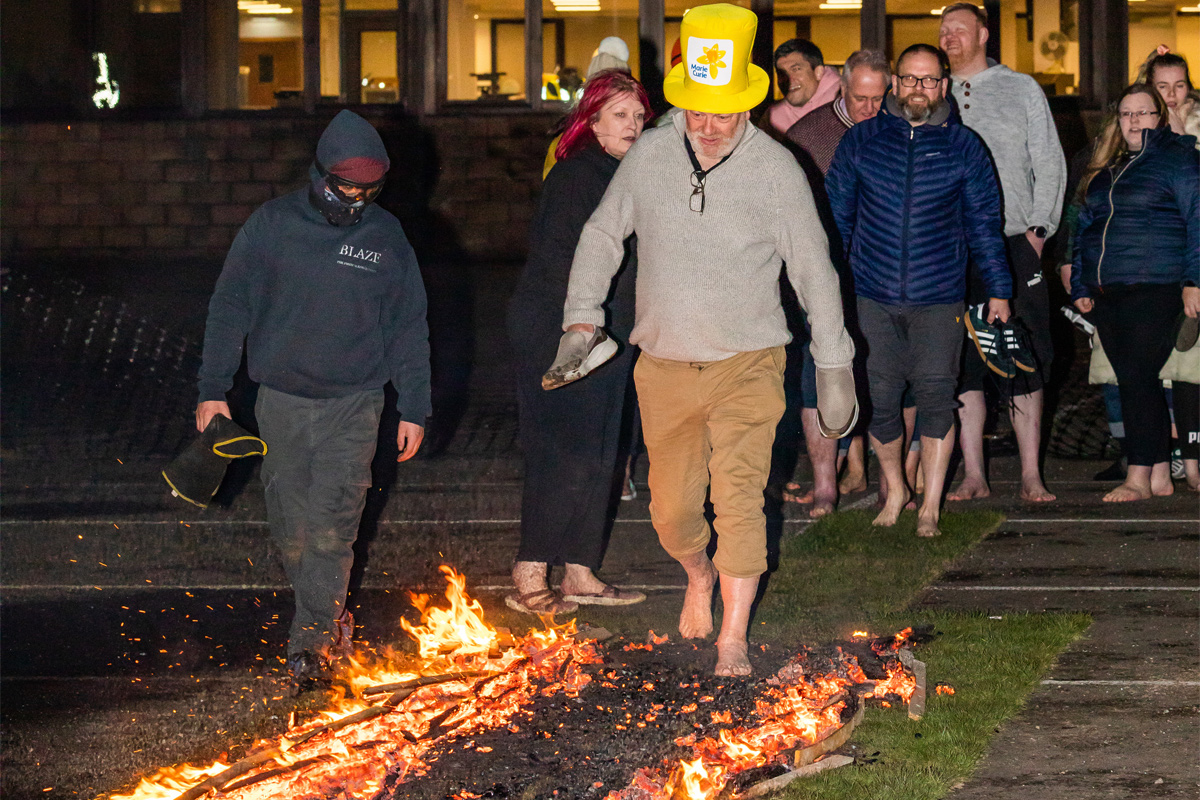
(696, 201)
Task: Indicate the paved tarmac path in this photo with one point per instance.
(116, 596)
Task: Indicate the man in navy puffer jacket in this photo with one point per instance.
(914, 195)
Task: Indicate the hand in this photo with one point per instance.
(1084, 304)
(1064, 274)
(998, 310)
(1036, 242)
(208, 409)
(408, 439)
(1191, 301)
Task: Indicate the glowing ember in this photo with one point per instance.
(798, 710)
(364, 749)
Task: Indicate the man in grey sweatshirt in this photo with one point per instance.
(1010, 113)
(718, 207)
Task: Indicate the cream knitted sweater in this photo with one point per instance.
(708, 284)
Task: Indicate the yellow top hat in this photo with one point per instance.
(716, 76)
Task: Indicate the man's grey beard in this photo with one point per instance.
(918, 115)
(725, 148)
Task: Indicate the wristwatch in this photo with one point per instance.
(1038, 231)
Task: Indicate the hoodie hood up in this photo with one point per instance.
(348, 136)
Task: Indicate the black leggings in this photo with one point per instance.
(1186, 398)
(1136, 323)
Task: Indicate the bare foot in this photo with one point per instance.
(792, 494)
(529, 576)
(970, 489)
(1126, 493)
(1161, 484)
(580, 580)
(822, 504)
(732, 659)
(695, 621)
(1034, 491)
(897, 500)
(853, 482)
(927, 525)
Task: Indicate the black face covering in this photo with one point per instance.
(328, 194)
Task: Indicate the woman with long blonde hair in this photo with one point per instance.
(1137, 267)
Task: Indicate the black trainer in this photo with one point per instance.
(309, 671)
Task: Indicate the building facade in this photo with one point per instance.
(160, 124)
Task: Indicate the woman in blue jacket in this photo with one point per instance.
(1137, 266)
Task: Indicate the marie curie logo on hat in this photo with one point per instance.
(707, 60)
(716, 76)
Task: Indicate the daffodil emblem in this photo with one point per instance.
(712, 57)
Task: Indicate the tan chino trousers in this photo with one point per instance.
(708, 428)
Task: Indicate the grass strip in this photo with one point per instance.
(993, 665)
(843, 572)
(839, 573)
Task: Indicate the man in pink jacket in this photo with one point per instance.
(805, 81)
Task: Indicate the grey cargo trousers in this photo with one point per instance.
(316, 474)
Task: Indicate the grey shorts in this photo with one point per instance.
(917, 348)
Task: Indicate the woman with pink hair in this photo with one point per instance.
(571, 436)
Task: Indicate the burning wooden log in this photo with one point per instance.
(780, 781)
(916, 703)
(424, 680)
(807, 755)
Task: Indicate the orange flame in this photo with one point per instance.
(354, 760)
(460, 628)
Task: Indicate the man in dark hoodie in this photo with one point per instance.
(323, 290)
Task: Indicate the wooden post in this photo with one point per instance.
(193, 77)
(311, 58)
(1103, 50)
(533, 53)
(992, 7)
(873, 21)
(763, 52)
(651, 50)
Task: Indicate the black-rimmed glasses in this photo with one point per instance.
(928, 81)
(696, 201)
(1136, 114)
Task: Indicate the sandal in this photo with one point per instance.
(608, 596)
(543, 601)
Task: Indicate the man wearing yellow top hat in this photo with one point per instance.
(717, 207)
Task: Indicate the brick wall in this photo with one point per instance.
(162, 189)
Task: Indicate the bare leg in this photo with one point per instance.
(581, 580)
(891, 465)
(529, 576)
(1026, 417)
(972, 417)
(1191, 468)
(912, 469)
(695, 621)
(1135, 487)
(855, 479)
(935, 460)
(1161, 484)
(823, 454)
(737, 595)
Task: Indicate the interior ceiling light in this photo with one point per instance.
(576, 5)
(937, 12)
(269, 10)
(843, 6)
(1190, 10)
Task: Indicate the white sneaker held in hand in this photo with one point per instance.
(578, 354)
